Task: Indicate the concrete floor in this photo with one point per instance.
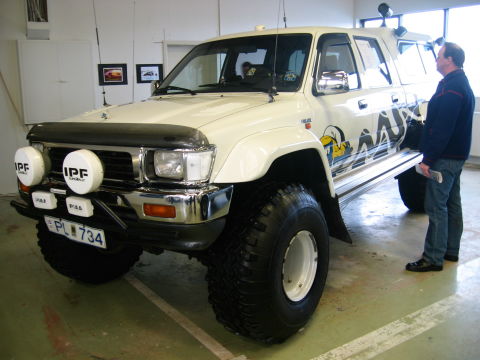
(371, 307)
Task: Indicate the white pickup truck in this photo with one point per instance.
(243, 158)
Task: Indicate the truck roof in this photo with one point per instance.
(381, 31)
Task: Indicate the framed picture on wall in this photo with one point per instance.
(112, 74)
(147, 73)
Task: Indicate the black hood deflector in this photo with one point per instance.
(112, 134)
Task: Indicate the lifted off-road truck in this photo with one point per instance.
(243, 158)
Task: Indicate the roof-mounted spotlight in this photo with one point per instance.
(385, 10)
(440, 41)
(400, 31)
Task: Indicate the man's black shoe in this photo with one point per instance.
(453, 258)
(423, 265)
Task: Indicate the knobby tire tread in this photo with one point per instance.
(411, 186)
(237, 256)
(84, 262)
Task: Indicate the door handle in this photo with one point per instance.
(394, 98)
(362, 104)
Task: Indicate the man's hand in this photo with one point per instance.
(425, 169)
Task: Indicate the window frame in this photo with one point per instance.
(400, 19)
(363, 21)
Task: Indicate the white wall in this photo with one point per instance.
(12, 131)
(237, 16)
(128, 25)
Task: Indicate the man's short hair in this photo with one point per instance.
(455, 52)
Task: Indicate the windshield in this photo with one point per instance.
(241, 64)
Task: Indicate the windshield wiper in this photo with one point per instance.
(271, 92)
(170, 87)
(212, 85)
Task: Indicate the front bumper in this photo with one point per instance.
(192, 206)
(200, 216)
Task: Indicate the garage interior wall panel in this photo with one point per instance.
(238, 16)
(56, 78)
(40, 81)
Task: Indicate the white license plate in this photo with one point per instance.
(77, 232)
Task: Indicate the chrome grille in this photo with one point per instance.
(118, 166)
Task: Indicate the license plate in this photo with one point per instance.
(77, 232)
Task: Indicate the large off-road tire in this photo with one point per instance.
(267, 273)
(84, 262)
(412, 189)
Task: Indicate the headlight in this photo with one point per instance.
(183, 165)
(168, 164)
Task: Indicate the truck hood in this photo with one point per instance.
(186, 110)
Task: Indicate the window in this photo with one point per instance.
(296, 61)
(375, 66)
(392, 22)
(412, 66)
(418, 62)
(429, 62)
(427, 22)
(461, 30)
(203, 69)
(410, 57)
(338, 57)
(217, 66)
(257, 57)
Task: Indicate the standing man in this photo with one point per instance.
(445, 145)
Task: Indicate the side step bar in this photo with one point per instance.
(354, 183)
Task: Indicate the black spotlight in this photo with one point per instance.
(385, 10)
(440, 41)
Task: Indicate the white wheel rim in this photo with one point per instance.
(300, 265)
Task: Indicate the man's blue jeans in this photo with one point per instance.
(444, 208)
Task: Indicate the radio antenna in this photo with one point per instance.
(284, 15)
(133, 49)
(98, 47)
(273, 90)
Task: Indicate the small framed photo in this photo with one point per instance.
(147, 73)
(112, 74)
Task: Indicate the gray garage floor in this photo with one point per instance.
(371, 307)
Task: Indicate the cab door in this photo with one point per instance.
(341, 120)
(386, 97)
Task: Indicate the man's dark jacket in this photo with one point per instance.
(448, 128)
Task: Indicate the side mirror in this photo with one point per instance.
(154, 86)
(332, 82)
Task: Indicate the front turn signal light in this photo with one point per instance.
(23, 188)
(164, 211)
